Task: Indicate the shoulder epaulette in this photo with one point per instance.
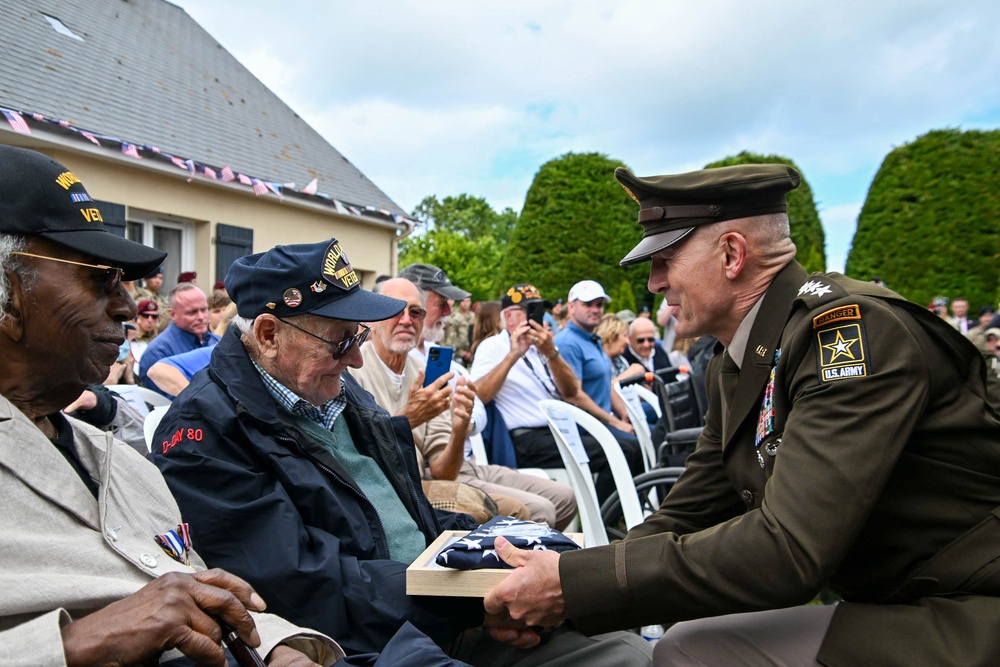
(820, 288)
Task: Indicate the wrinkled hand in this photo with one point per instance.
(532, 593)
(86, 401)
(426, 403)
(542, 338)
(286, 656)
(173, 611)
(521, 338)
(462, 400)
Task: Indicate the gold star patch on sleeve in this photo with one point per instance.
(842, 352)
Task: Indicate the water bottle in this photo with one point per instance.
(652, 633)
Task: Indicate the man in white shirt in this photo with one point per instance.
(519, 367)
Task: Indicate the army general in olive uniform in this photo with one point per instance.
(851, 443)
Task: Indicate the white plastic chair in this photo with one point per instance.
(151, 422)
(580, 477)
(651, 398)
(639, 423)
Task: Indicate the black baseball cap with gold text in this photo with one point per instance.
(40, 197)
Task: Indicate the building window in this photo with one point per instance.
(172, 236)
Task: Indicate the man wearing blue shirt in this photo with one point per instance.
(188, 331)
(581, 347)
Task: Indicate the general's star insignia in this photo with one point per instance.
(815, 288)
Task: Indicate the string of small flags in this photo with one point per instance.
(18, 121)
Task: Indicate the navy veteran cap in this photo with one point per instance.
(670, 207)
(308, 278)
(40, 197)
(430, 278)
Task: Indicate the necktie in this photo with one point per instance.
(729, 377)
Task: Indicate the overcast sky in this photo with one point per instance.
(447, 98)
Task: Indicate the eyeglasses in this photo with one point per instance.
(112, 274)
(151, 316)
(640, 341)
(416, 313)
(344, 346)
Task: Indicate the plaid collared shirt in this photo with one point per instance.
(325, 414)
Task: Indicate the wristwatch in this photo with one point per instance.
(555, 353)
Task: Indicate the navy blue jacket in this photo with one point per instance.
(267, 503)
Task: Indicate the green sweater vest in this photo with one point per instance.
(405, 540)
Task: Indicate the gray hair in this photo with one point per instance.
(9, 244)
(182, 287)
(243, 324)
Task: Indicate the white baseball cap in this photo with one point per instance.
(588, 290)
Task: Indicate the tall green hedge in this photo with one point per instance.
(806, 228)
(577, 223)
(931, 222)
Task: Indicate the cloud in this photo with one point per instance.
(451, 97)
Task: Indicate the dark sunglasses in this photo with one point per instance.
(112, 274)
(640, 341)
(151, 316)
(344, 346)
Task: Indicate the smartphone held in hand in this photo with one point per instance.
(536, 312)
(438, 363)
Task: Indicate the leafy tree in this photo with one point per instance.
(623, 298)
(806, 228)
(467, 215)
(464, 236)
(577, 223)
(929, 224)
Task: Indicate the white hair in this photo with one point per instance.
(9, 244)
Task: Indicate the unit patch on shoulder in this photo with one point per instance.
(852, 312)
(337, 270)
(842, 351)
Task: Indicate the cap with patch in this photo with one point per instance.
(308, 278)
(40, 197)
(670, 207)
(521, 295)
(430, 278)
(587, 291)
(147, 307)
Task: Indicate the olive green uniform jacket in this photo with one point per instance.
(877, 476)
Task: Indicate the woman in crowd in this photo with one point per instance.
(487, 323)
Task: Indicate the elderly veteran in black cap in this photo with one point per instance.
(83, 575)
(851, 444)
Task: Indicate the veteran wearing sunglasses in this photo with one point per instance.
(83, 579)
(289, 472)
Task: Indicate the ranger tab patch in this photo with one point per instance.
(838, 314)
(842, 350)
(337, 270)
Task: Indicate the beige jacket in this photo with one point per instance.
(64, 555)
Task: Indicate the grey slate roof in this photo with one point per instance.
(147, 73)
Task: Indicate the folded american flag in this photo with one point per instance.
(475, 551)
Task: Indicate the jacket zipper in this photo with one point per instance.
(383, 545)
